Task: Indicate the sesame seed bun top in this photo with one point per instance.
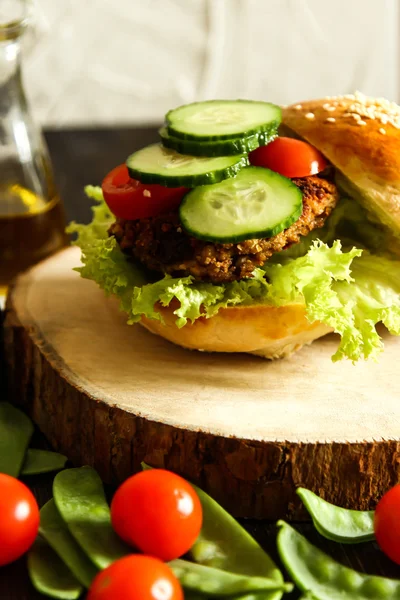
(360, 136)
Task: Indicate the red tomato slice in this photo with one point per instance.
(19, 519)
(387, 524)
(157, 512)
(129, 199)
(289, 157)
(136, 577)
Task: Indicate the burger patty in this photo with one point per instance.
(162, 245)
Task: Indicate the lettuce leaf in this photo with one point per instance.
(350, 290)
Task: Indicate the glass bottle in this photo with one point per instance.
(32, 219)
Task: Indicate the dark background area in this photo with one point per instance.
(83, 157)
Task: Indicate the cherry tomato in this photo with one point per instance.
(19, 519)
(289, 157)
(157, 512)
(387, 524)
(136, 577)
(129, 199)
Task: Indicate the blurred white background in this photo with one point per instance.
(102, 62)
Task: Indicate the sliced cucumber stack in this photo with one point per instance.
(257, 203)
(238, 145)
(223, 119)
(156, 164)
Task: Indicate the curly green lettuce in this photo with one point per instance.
(349, 289)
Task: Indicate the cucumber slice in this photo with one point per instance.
(257, 203)
(223, 119)
(239, 145)
(156, 164)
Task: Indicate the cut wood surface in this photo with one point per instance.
(248, 431)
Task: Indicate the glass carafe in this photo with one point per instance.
(32, 219)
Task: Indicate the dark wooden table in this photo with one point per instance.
(85, 156)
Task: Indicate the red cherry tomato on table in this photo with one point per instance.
(289, 157)
(136, 577)
(387, 524)
(129, 199)
(157, 512)
(19, 519)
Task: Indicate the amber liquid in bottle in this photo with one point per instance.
(32, 230)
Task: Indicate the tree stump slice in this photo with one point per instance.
(248, 431)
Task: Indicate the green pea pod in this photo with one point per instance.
(338, 524)
(57, 535)
(49, 575)
(42, 461)
(81, 502)
(224, 544)
(16, 430)
(213, 582)
(315, 572)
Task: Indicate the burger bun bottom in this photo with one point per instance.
(265, 330)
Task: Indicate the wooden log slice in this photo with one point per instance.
(247, 430)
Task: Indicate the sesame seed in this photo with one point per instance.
(331, 119)
(331, 108)
(361, 122)
(362, 108)
(298, 107)
(310, 116)
(147, 193)
(326, 106)
(382, 131)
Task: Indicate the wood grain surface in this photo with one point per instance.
(248, 430)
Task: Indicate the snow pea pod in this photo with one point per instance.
(224, 544)
(16, 430)
(57, 535)
(338, 524)
(49, 575)
(315, 572)
(42, 461)
(213, 582)
(81, 502)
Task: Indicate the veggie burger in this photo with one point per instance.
(251, 228)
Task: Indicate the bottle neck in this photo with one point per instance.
(11, 33)
(10, 62)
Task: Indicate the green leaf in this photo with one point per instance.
(348, 289)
